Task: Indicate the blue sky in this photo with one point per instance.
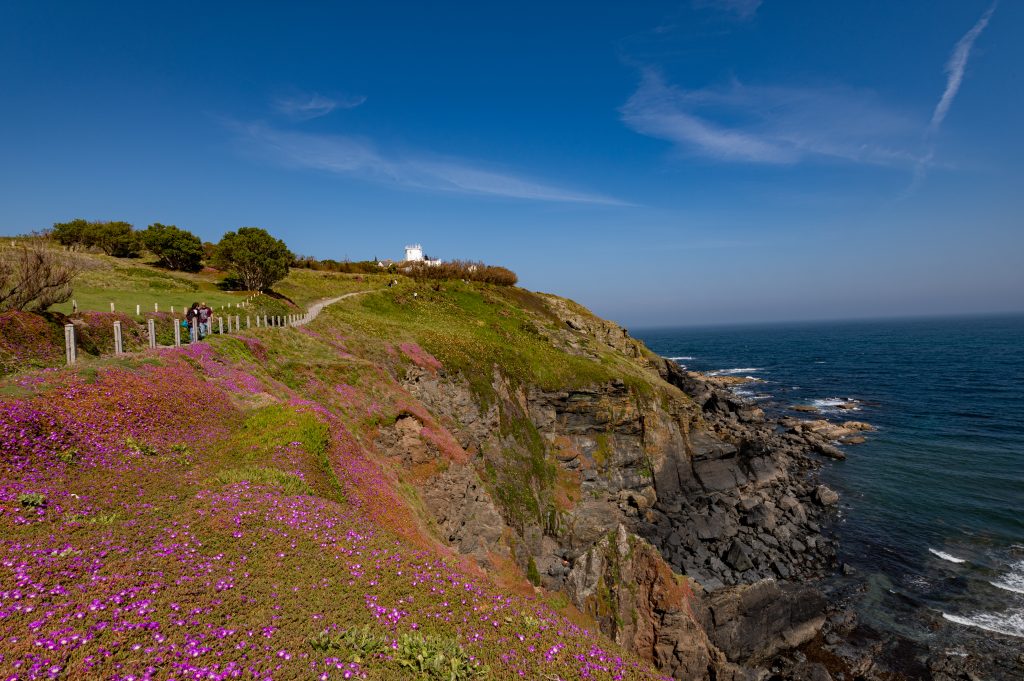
(665, 164)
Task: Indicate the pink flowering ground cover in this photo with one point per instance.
(213, 513)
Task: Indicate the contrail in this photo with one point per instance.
(955, 68)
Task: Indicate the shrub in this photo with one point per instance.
(32, 500)
(255, 257)
(178, 249)
(113, 238)
(463, 269)
(140, 447)
(358, 644)
(434, 657)
(34, 277)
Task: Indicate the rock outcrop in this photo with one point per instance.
(681, 518)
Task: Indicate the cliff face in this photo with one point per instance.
(679, 518)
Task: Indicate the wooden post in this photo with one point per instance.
(69, 343)
(118, 341)
(265, 319)
(194, 332)
(248, 322)
(257, 321)
(156, 307)
(138, 310)
(111, 306)
(238, 322)
(229, 323)
(172, 309)
(220, 325)
(151, 323)
(177, 333)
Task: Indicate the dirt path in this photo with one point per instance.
(315, 308)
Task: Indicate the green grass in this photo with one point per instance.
(289, 483)
(471, 328)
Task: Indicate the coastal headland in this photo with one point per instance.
(495, 478)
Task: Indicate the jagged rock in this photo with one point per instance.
(465, 512)
(829, 450)
(753, 622)
(738, 556)
(826, 496)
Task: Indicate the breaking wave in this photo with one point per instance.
(946, 556)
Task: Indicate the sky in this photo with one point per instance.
(665, 164)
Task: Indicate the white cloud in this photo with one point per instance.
(307, 106)
(955, 68)
(770, 125)
(743, 9)
(358, 157)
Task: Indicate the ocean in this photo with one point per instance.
(932, 509)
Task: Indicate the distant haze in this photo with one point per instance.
(662, 163)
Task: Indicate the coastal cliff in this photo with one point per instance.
(539, 453)
(677, 516)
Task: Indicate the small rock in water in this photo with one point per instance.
(826, 496)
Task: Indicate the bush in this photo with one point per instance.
(113, 238)
(34, 277)
(463, 269)
(255, 257)
(178, 249)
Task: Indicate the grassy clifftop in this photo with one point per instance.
(219, 510)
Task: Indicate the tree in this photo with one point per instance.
(113, 238)
(255, 257)
(71, 233)
(178, 249)
(34, 277)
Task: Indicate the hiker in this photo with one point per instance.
(192, 317)
(205, 315)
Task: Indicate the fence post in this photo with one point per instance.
(193, 332)
(138, 310)
(248, 322)
(177, 333)
(220, 325)
(111, 306)
(257, 321)
(151, 323)
(69, 343)
(156, 307)
(264, 320)
(118, 341)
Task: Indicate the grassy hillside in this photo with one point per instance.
(219, 511)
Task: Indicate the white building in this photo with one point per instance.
(414, 253)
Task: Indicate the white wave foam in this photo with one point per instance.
(731, 372)
(1012, 580)
(846, 403)
(945, 556)
(679, 359)
(1010, 624)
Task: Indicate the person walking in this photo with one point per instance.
(205, 315)
(192, 319)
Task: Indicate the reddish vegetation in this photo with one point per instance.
(28, 339)
(126, 555)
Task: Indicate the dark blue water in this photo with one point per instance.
(942, 478)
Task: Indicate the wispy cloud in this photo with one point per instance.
(770, 125)
(955, 68)
(359, 158)
(307, 106)
(742, 9)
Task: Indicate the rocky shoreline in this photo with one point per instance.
(686, 522)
